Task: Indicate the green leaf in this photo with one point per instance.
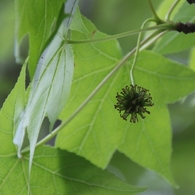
(36, 18)
(174, 41)
(50, 86)
(97, 131)
(53, 171)
(166, 78)
(149, 142)
(50, 90)
(64, 173)
(57, 172)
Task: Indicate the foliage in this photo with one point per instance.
(73, 55)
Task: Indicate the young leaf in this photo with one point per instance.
(36, 18)
(97, 131)
(173, 42)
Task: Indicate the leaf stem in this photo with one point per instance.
(145, 43)
(168, 15)
(137, 51)
(164, 26)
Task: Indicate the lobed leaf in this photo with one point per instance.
(97, 131)
(54, 171)
(58, 172)
(50, 90)
(50, 87)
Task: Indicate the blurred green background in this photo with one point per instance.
(112, 17)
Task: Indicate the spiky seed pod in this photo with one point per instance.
(185, 28)
(132, 101)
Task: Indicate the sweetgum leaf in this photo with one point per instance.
(50, 90)
(36, 18)
(53, 171)
(50, 86)
(97, 131)
(173, 42)
(58, 172)
(149, 142)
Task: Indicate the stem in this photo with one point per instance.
(154, 36)
(168, 15)
(163, 26)
(137, 51)
(154, 39)
(156, 17)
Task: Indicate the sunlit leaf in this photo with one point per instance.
(97, 131)
(54, 171)
(50, 87)
(49, 91)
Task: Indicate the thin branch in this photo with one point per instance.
(163, 26)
